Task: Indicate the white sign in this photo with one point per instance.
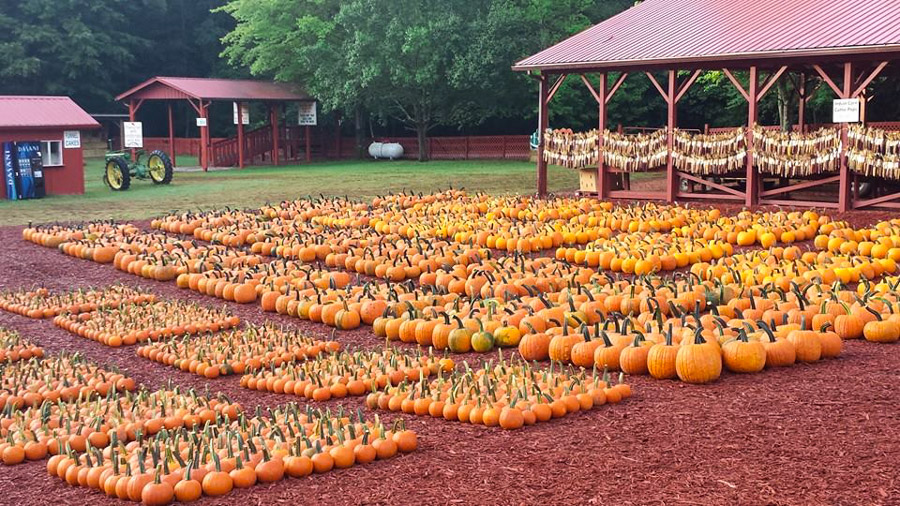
(846, 110)
(245, 113)
(134, 134)
(72, 139)
(306, 114)
(201, 122)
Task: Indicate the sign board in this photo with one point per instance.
(306, 114)
(245, 113)
(72, 139)
(846, 110)
(201, 122)
(133, 132)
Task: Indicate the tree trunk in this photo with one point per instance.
(784, 106)
(359, 133)
(422, 137)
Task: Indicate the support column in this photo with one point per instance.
(306, 134)
(240, 134)
(132, 113)
(275, 134)
(171, 135)
(844, 186)
(204, 137)
(543, 123)
(752, 195)
(602, 177)
(672, 122)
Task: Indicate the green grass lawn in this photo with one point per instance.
(252, 187)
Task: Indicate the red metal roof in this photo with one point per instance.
(660, 32)
(19, 112)
(168, 88)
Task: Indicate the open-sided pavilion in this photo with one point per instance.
(201, 92)
(841, 44)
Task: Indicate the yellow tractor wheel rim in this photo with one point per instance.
(113, 174)
(157, 168)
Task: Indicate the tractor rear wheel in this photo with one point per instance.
(159, 165)
(117, 175)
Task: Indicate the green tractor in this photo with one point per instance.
(120, 168)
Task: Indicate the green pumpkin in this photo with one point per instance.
(482, 341)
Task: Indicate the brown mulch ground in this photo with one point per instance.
(827, 433)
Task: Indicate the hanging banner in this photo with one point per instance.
(245, 113)
(9, 171)
(845, 110)
(306, 114)
(72, 139)
(133, 133)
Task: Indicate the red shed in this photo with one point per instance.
(57, 123)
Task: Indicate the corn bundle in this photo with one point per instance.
(571, 150)
(874, 152)
(634, 153)
(796, 154)
(709, 154)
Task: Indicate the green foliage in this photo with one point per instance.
(92, 50)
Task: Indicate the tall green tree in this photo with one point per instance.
(68, 47)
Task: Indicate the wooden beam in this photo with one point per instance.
(602, 177)
(844, 200)
(770, 82)
(737, 84)
(590, 88)
(839, 92)
(869, 79)
(240, 134)
(658, 87)
(800, 186)
(543, 123)
(685, 86)
(752, 193)
(615, 87)
(715, 186)
(876, 201)
(171, 134)
(556, 86)
(672, 124)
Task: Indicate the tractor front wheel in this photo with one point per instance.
(159, 165)
(117, 176)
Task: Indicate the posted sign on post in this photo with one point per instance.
(134, 134)
(245, 113)
(306, 114)
(846, 110)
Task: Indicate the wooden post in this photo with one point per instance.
(171, 135)
(844, 186)
(543, 123)
(273, 111)
(308, 133)
(602, 178)
(240, 134)
(132, 113)
(752, 195)
(671, 177)
(204, 137)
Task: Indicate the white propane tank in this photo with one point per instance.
(389, 150)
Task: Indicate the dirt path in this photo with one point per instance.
(822, 434)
